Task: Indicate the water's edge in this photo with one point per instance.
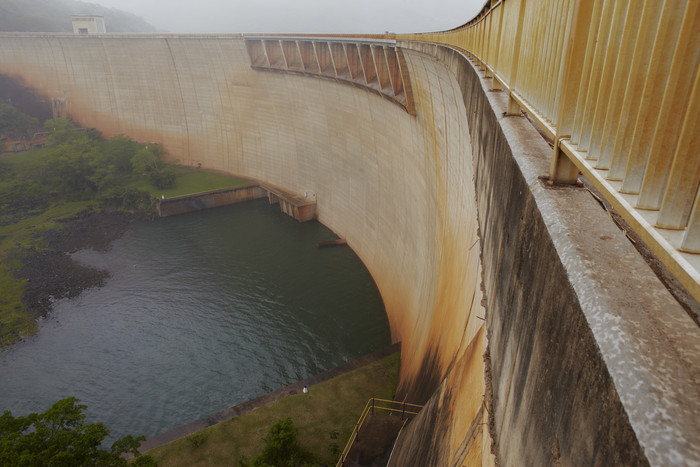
(240, 409)
(200, 312)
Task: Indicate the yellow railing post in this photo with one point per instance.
(585, 36)
(651, 98)
(684, 176)
(691, 238)
(562, 169)
(633, 88)
(614, 116)
(679, 86)
(513, 106)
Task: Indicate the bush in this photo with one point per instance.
(281, 448)
(118, 151)
(60, 437)
(127, 198)
(197, 439)
(15, 123)
(149, 161)
(21, 199)
(162, 178)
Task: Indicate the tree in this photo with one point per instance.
(149, 161)
(59, 437)
(14, 123)
(281, 448)
(118, 152)
(73, 164)
(62, 130)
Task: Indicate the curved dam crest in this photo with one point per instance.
(520, 308)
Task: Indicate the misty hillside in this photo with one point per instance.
(55, 16)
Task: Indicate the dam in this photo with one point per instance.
(532, 330)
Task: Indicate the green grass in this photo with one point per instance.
(334, 405)
(190, 181)
(25, 158)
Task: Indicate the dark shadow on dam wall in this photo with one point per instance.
(13, 91)
(554, 270)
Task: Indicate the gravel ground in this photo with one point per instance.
(53, 274)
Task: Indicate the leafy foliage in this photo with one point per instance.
(197, 439)
(73, 167)
(81, 164)
(127, 198)
(78, 165)
(118, 152)
(149, 161)
(22, 198)
(281, 448)
(62, 130)
(14, 123)
(333, 447)
(60, 437)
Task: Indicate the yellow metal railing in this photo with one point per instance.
(615, 85)
(378, 406)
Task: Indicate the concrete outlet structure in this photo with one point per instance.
(531, 329)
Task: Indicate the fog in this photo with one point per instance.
(310, 16)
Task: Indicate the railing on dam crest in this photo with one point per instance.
(377, 65)
(615, 85)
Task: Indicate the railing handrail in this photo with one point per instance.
(616, 86)
(369, 408)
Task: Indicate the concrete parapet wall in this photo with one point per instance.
(589, 359)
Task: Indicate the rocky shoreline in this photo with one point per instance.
(52, 274)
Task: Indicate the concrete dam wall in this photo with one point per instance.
(530, 327)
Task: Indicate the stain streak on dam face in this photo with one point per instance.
(471, 254)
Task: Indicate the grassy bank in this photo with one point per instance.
(23, 223)
(189, 181)
(330, 407)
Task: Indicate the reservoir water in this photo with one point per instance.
(202, 311)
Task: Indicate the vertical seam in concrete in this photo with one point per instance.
(53, 59)
(68, 72)
(114, 103)
(182, 100)
(446, 181)
(222, 75)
